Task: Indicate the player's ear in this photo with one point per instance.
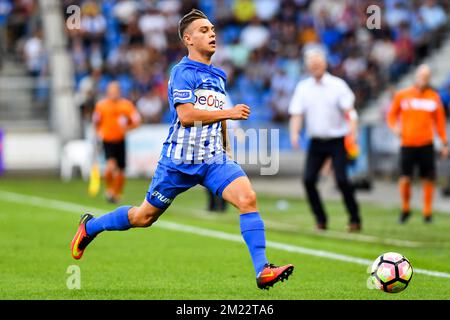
(187, 39)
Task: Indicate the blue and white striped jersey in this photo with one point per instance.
(204, 86)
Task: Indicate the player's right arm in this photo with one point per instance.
(295, 126)
(441, 124)
(97, 116)
(296, 111)
(393, 115)
(189, 116)
(182, 85)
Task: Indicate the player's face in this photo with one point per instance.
(423, 76)
(113, 91)
(201, 36)
(316, 66)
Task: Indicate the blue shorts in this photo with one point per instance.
(171, 179)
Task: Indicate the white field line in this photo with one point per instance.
(370, 239)
(76, 208)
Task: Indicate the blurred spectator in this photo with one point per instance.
(254, 35)
(354, 66)
(34, 54)
(308, 34)
(117, 59)
(266, 9)
(5, 10)
(96, 55)
(420, 35)
(21, 41)
(404, 53)
(22, 21)
(125, 10)
(444, 93)
(397, 14)
(152, 25)
(133, 34)
(244, 10)
(238, 53)
(383, 53)
(328, 10)
(150, 107)
(433, 15)
(282, 88)
(89, 91)
(93, 24)
(80, 58)
(222, 12)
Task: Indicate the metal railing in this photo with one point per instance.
(24, 102)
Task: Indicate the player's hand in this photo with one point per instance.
(123, 122)
(397, 131)
(239, 112)
(444, 152)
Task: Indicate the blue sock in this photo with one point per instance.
(252, 230)
(115, 220)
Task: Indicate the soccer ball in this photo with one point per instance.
(391, 272)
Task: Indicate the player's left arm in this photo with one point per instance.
(134, 117)
(346, 103)
(394, 114)
(352, 117)
(97, 117)
(441, 127)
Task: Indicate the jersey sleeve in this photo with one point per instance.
(394, 111)
(296, 106)
(346, 97)
(97, 114)
(132, 113)
(441, 121)
(183, 86)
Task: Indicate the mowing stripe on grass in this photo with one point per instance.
(76, 208)
(275, 225)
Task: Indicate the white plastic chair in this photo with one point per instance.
(76, 153)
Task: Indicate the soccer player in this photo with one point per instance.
(113, 117)
(414, 114)
(194, 153)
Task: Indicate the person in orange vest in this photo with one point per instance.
(113, 117)
(414, 115)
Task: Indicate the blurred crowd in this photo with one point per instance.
(20, 34)
(261, 43)
(21, 41)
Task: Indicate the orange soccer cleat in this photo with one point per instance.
(81, 239)
(271, 274)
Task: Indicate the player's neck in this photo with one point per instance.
(195, 56)
(421, 89)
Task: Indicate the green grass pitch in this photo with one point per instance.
(159, 263)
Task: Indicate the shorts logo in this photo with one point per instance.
(161, 198)
(182, 94)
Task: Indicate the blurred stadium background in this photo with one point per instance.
(51, 76)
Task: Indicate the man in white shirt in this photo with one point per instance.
(326, 103)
